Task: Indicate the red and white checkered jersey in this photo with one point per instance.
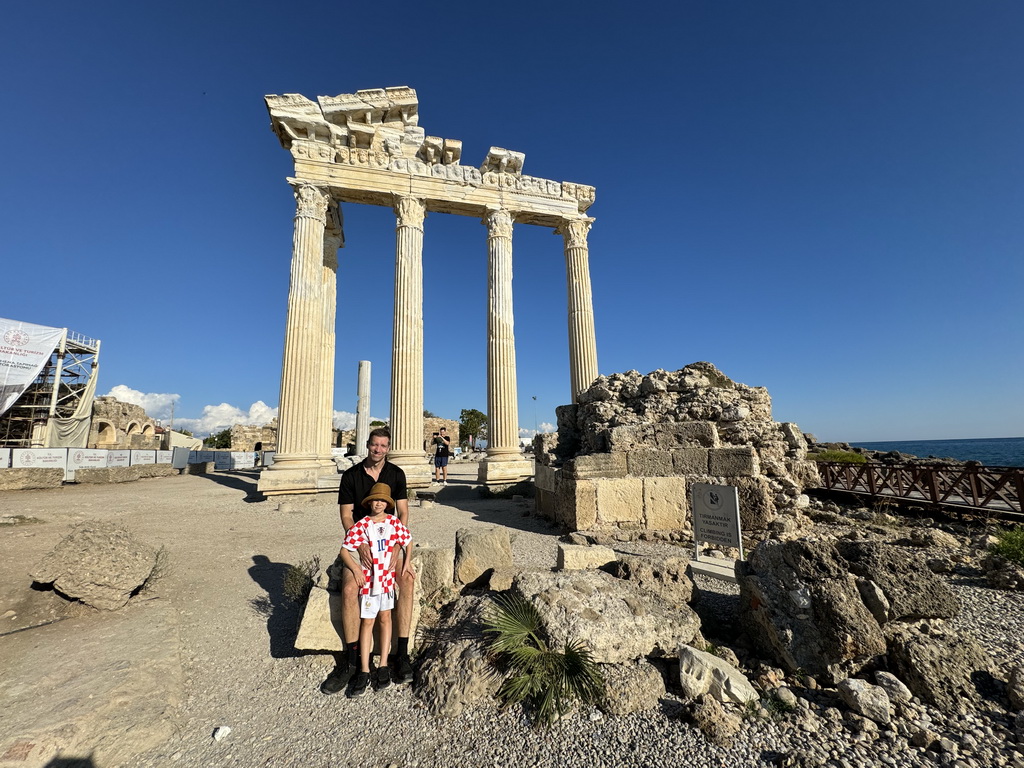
(382, 537)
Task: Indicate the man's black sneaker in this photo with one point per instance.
(383, 678)
(338, 679)
(358, 685)
(402, 668)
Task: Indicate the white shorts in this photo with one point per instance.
(371, 605)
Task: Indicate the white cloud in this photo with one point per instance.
(544, 427)
(347, 419)
(547, 426)
(157, 405)
(219, 417)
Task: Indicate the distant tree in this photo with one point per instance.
(378, 424)
(471, 422)
(186, 432)
(220, 439)
(429, 415)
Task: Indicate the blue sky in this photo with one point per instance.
(822, 198)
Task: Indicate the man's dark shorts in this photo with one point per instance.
(440, 461)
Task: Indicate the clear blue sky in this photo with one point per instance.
(822, 198)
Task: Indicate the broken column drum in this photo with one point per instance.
(367, 147)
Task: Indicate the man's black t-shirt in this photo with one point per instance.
(356, 485)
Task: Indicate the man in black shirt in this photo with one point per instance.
(356, 483)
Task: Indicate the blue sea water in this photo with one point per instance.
(990, 451)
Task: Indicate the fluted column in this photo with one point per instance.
(502, 402)
(300, 426)
(582, 339)
(363, 407)
(407, 337)
(334, 239)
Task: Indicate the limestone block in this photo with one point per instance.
(690, 461)
(865, 699)
(627, 438)
(201, 468)
(156, 470)
(619, 500)
(576, 558)
(596, 465)
(649, 463)
(495, 472)
(701, 672)
(29, 478)
(581, 504)
(665, 503)
(435, 569)
(545, 478)
(686, 434)
(321, 628)
(480, 550)
(757, 502)
(107, 475)
(733, 462)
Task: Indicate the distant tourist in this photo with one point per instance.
(442, 444)
(386, 535)
(357, 483)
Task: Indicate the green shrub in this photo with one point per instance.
(848, 457)
(547, 681)
(1011, 544)
(298, 579)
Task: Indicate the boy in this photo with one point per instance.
(385, 533)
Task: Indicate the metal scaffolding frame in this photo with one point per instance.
(55, 392)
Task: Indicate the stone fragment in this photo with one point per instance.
(632, 687)
(479, 550)
(718, 726)
(666, 577)
(701, 672)
(29, 478)
(619, 621)
(867, 700)
(320, 628)
(757, 505)
(733, 462)
(1002, 573)
(98, 563)
(576, 558)
(893, 687)
(933, 537)
(1015, 688)
(435, 570)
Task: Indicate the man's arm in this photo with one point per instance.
(402, 510)
(349, 559)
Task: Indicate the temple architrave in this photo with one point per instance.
(367, 147)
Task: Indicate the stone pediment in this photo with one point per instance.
(378, 130)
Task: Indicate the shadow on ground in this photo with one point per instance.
(240, 481)
(282, 613)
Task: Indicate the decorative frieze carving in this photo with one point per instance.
(410, 211)
(311, 202)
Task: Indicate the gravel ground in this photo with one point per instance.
(222, 605)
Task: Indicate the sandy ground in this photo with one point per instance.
(210, 644)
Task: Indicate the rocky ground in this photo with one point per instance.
(208, 647)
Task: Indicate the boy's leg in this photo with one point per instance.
(399, 662)
(365, 644)
(384, 623)
(346, 662)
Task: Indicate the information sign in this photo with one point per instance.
(143, 457)
(119, 458)
(5, 458)
(268, 458)
(87, 458)
(243, 459)
(716, 515)
(164, 457)
(221, 459)
(48, 458)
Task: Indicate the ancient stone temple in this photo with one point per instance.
(367, 147)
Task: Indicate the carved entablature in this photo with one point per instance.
(379, 130)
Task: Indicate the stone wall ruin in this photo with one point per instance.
(627, 453)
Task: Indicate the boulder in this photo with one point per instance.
(99, 563)
(870, 701)
(718, 726)
(435, 572)
(701, 672)
(320, 628)
(800, 605)
(617, 620)
(1002, 573)
(30, 478)
(1015, 689)
(102, 475)
(635, 687)
(666, 577)
(933, 537)
(480, 550)
(893, 687)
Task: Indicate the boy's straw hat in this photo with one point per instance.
(380, 492)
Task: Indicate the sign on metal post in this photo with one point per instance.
(716, 516)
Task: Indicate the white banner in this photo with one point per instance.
(243, 459)
(164, 457)
(268, 458)
(222, 460)
(46, 458)
(119, 458)
(87, 458)
(5, 458)
(143, 457)
(24, 350)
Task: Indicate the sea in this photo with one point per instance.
(990, 451)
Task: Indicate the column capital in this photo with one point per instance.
(311, 201)
(498, 222)
(575, 231)
(410, 211)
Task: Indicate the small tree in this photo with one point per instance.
(186, 432)
(429, 414)
(471, 422)
(220, 439)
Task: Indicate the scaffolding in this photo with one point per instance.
(56, 392)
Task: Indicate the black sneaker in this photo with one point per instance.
(338, 679)
(382, 678)
(402, 667)
(358, 686)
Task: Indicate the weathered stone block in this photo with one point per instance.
(479, 550)
(690, 461)
(757, 502)
(649, 463)
(545, 477)
(686, 434)
(581, 506)
(665, 503)
(576, 558)
(435, 568)
(733, 462)
(200, 468)
(107, 475)
(626, 438)
(29, 478)
(619, 500)
(596, 465)
(321, 628)
(156, 470)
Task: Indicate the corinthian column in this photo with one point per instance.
(582, 340)
(334, 239)
(300, 418)
(502, 402)
(407, 342)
